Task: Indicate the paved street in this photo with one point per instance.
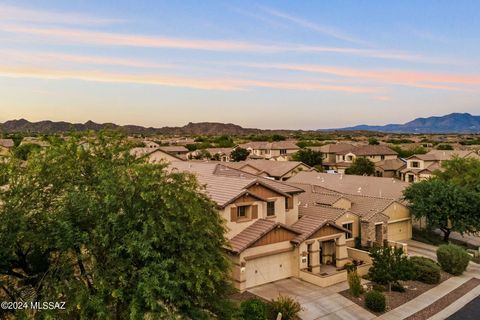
(470, 312)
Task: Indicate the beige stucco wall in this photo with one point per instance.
(346, 218)
(397, 211)
(342, 203)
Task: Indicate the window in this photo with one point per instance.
(242, 211)
(283, 151)
(415, 164)
(349, 227)
(270, 208)
(382, 157)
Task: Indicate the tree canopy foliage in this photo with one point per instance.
(445, 205)
(309, 157)
(112, 236)
(361, 166)
(239, 154)
(461, 172)
(390, 265)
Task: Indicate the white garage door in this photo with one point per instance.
(268, 269)
(401, 230)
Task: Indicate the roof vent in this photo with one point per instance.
(359, 189)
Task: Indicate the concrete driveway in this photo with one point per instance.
(317, 302)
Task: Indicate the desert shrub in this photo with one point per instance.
(453, 259)
(288, 307)
(375, 301)
(354, 283)
(426, 270)
(253, 309)
(397, 287)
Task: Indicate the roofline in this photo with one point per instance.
(244, 192)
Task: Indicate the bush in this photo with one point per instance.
(375, 301)
(354, 283)
(288, 307)
(453, 259)
(397, 287)
(253, 309)
(378, 287)
(426, 270)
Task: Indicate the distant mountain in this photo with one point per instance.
(47, 127)
(450, 123)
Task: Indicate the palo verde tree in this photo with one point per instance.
(390, 265)
(444, 205)
(361, 167)
(112, 236)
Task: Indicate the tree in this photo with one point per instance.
(461, 172)
(390, 265)
(309, 157)
(239, 154)
(444, 146)
(445, 206)
(23, 151)
(373, 141)
(361, 166)
(112, 236)
(405, 153)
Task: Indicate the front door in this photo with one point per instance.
(378, 234)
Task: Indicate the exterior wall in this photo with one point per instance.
(346, 218)
(342, 203)
(397, 211)
(291, 215)
(368, 232)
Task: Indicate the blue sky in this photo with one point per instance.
(266, 64)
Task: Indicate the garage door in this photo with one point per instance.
(401, 230)
(268, 269)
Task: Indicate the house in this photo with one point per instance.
(5, 146)
(341, 156)
(329, 152)
(268, 239)
(178, 151)
(277, 150)
(34, 140)
(371, 208)
(421, 166)
(220, 154)
(154, 155)
(389, 168)
(278, 170)
(150, 144)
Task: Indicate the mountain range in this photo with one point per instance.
(450, 123)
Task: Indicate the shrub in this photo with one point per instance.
(354, 283)
(397, 287)
(378, 287)
(253, 309)
(288, 307)
(453, 259)
(426, 270)
(375, 301)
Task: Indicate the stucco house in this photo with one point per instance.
(339, 157)
(389, 168)
(421, 166)
(269, 240)
(277, 150)
(278, 170)
(5, 146)
(155, 155)
(372, 208)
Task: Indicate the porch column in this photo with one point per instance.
(315, 255)
(341, 251)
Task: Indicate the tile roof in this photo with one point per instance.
(370, 150)
(272, 168)
(309, 224)
(7, 143)
(255, 232)
(224, 184)
(336, 147)
(169, 149)
(389, 188)
(390, 164)
(276, 145)
(442, 155)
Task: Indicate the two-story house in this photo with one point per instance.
(372, 208)
(277, 150)
(421, 166)
(268, 239)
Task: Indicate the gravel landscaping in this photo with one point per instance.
(395, 299)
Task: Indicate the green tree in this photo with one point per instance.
(390, 265)
(373, 141)
(444, 146)
(239, 154)
(361, 166)
(112, 236)
(277, 137)
(309, 157)
(461, 172)
(405, 153)
(23, 151)
(445, 206)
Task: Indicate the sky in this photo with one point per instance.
(263, 64)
